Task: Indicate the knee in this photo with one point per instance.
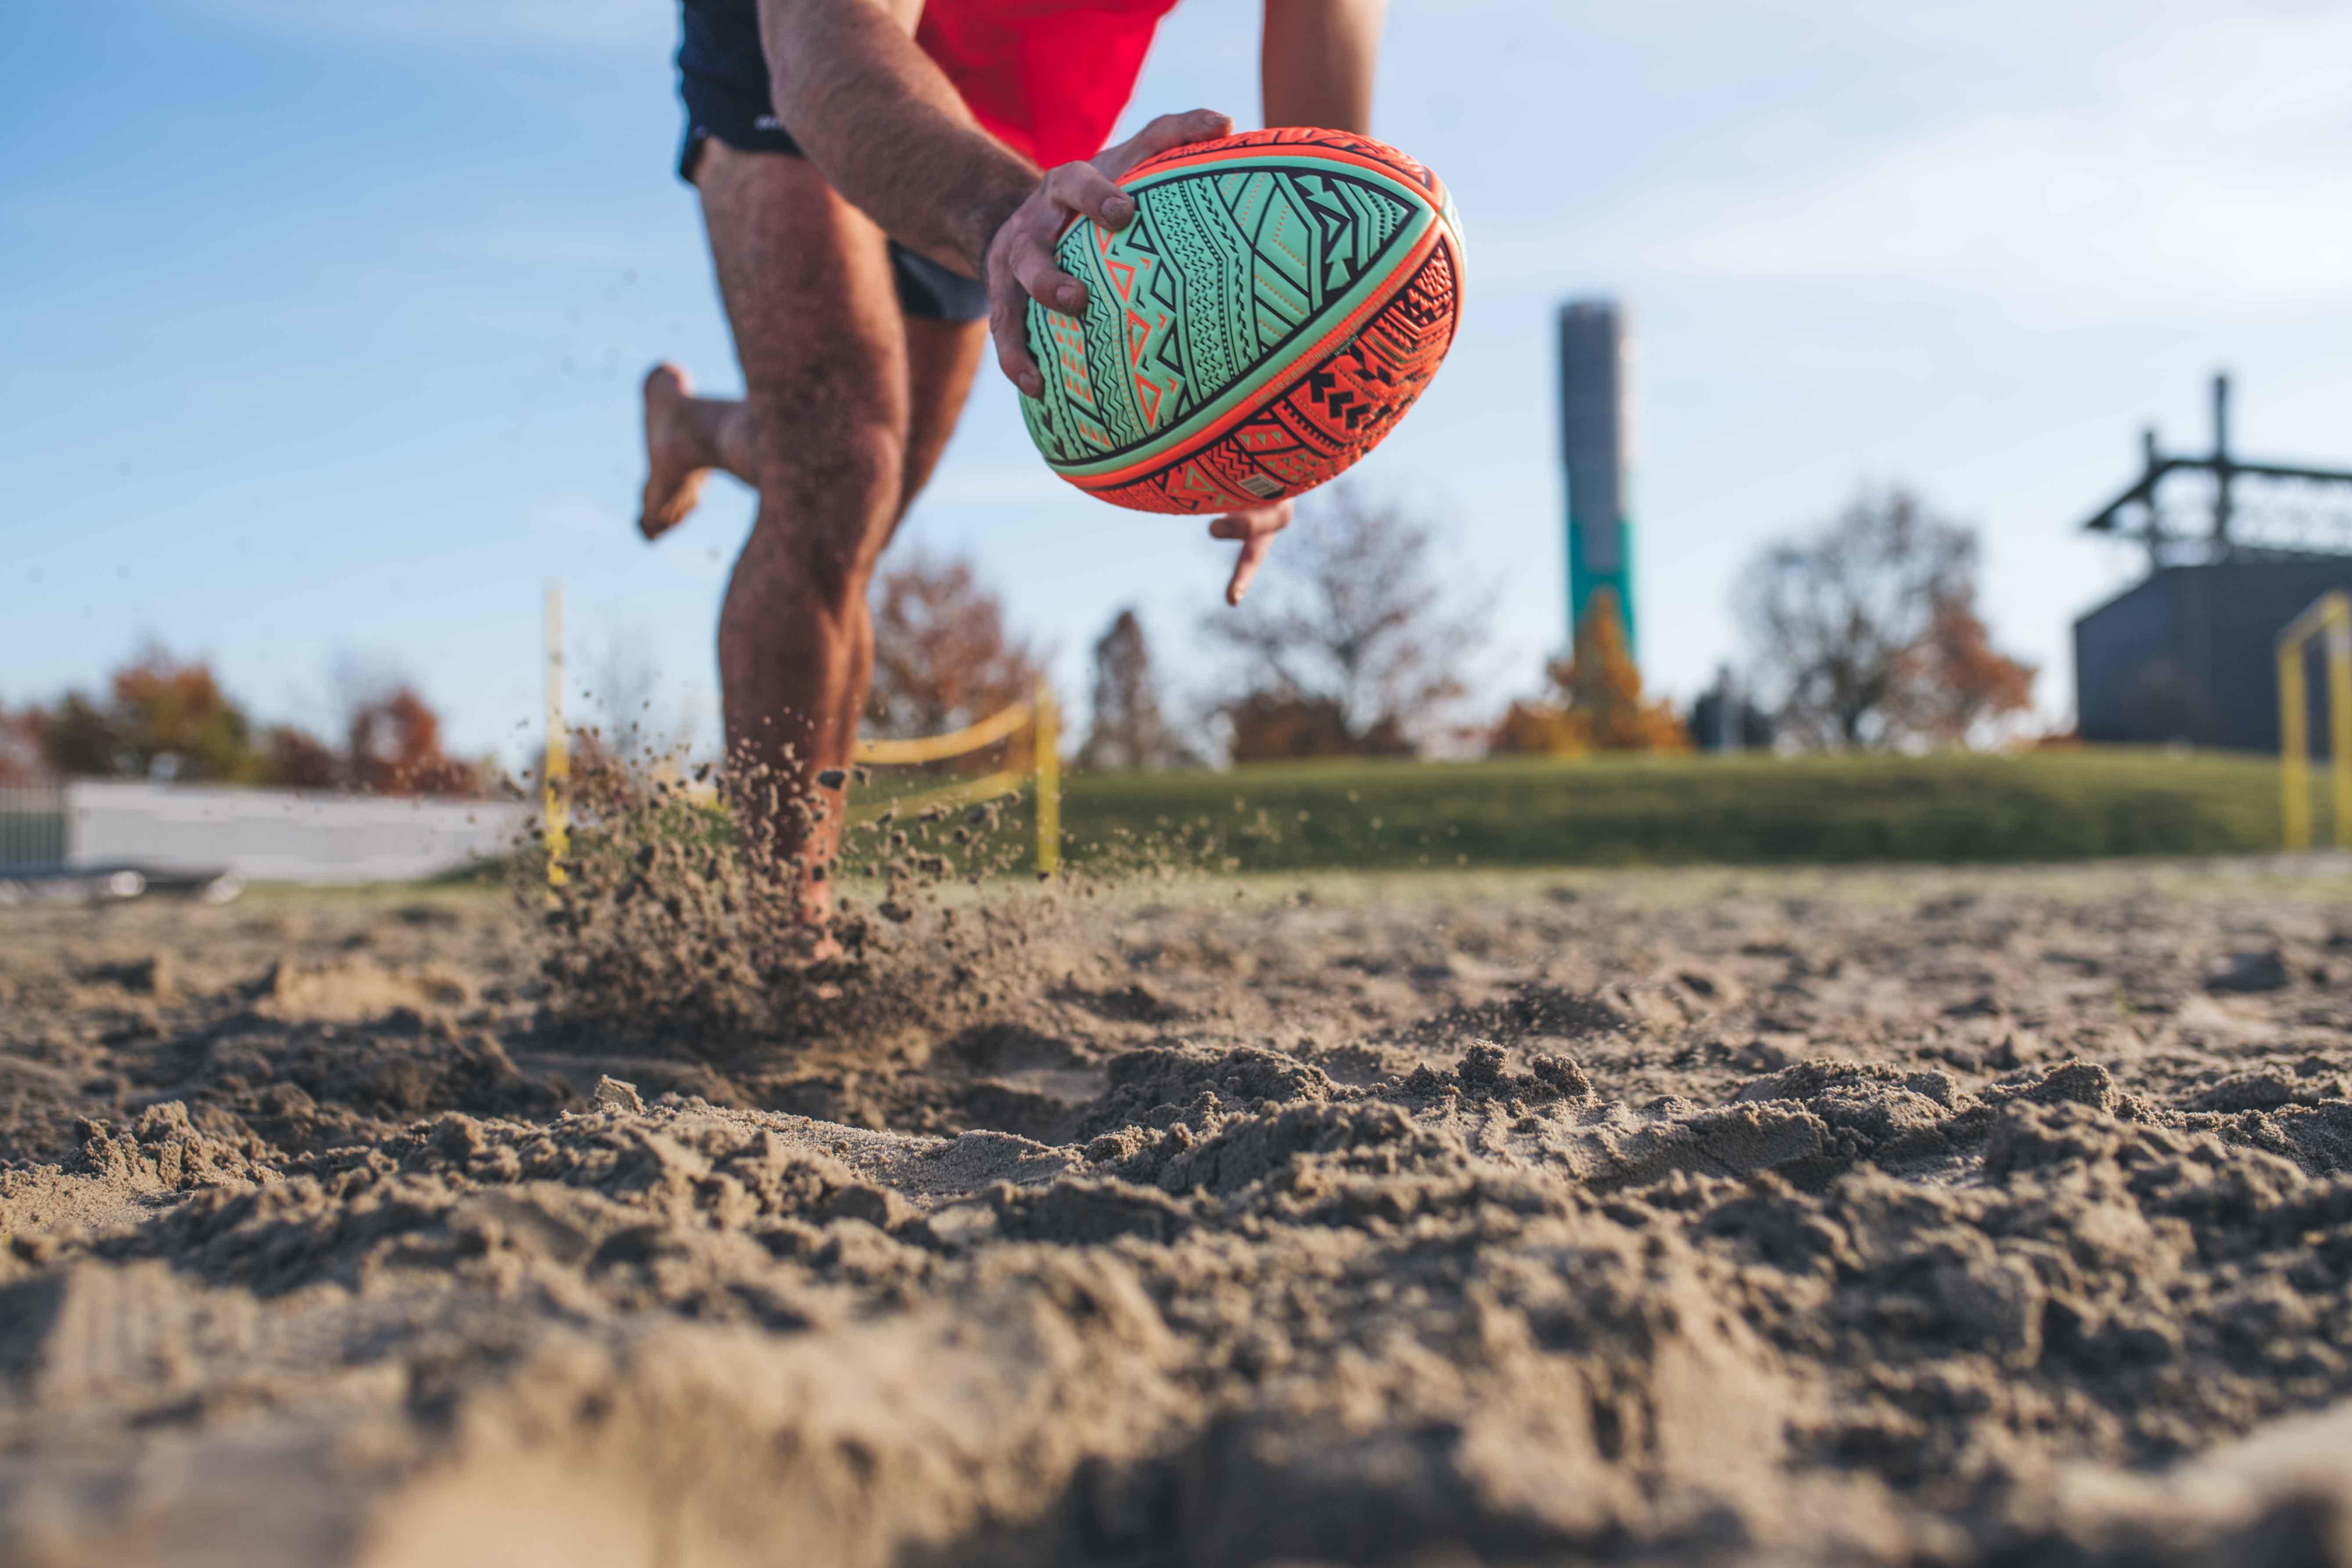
(833, 497)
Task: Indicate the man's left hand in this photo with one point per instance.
(1255, 529)
(1019, 265)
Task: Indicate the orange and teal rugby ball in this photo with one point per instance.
(1278, 301)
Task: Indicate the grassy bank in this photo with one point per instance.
(2091, 804)
(2049, 805)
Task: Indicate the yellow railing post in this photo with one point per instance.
(2295, 782)
(2329, 617)
(1048, 739)
(555, 758)
(2339, 716)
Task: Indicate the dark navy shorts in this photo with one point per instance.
(722, 75)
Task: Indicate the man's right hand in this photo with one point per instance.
(1020, 260)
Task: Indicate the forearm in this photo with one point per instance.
(1316, 62)
(887, 130)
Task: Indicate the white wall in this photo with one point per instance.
(282, 835)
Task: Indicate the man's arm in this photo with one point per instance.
(1316, 59)
(887, 130)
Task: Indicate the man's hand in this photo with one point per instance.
(1021, 264)
(1255, 529)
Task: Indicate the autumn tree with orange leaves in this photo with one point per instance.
(1595, 703)
(167, 716)
(944, 656)
(172, 712)
(160, 717)
(21, 759)
(1867, 634)
(293, 758)
(1956, 680)
(392, 746)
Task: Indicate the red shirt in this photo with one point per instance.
(1047, 78)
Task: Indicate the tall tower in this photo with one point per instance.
(1594, 438)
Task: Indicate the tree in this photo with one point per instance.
(171, 717)
(1536, 729)
(161, 716)
(1355, 627)
(1597, 692)
(1955, 680)
(1600, 687)
(1129, 732)
(1270, 729)
(943, 656)
(1862, 628)
(293, 758)
(392, 746)
(21, 758)
(78, 739)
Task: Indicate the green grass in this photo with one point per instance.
(2044, 805)
(1950, 808)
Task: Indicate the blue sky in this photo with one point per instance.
(319, 326)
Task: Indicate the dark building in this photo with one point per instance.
(2189, 652)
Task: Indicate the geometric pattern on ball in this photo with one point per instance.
(1279, 300)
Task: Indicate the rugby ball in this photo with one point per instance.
(1276, 304)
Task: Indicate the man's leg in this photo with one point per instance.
(687, 436)
(941, 358)
(824, 434)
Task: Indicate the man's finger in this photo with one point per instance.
(1253, 553)
(1082, 188)
(1019, 369)
(1034, 269)
(1168, 131)
(1008, 324)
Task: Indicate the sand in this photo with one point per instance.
(1877, 1217)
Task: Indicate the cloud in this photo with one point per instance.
(2204, 162)
(2040, 205)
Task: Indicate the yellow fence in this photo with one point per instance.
(2330, 614)
(1036, 715)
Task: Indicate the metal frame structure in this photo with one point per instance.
(2305, 510)
(2330, 614)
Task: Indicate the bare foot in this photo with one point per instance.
(821, 958)
(816, 919)
(673, 479)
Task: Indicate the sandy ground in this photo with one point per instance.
(1884, 1217)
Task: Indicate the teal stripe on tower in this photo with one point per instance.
(1594, 442)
